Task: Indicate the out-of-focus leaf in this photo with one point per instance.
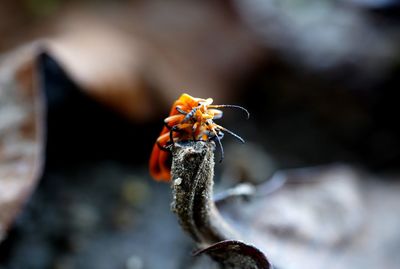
(323, 36)
(202, 47)
(374, 4)
(323, 217)
(147, 56)
(107, 63)
(21, 132)
(138, 57)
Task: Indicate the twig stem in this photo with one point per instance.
(192, 174)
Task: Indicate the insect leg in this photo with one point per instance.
(162, 141)
(175, 128)
(217, 114)
(231, 133)
(173, 120)
(190, 114)
(194, 130)
(180, 110)
(219, 144)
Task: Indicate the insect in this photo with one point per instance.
(190, 118)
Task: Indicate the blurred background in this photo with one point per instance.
(84, 89)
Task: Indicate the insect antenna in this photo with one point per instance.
(232, 106)
(219, 144)
(231, 133)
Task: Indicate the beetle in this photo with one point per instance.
(190, 118)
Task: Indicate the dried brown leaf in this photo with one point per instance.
(21, 132)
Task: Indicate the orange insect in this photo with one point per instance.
(190, 119)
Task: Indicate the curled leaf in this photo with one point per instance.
(236, 254)
(193, 180)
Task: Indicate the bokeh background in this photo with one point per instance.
(85, 86)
